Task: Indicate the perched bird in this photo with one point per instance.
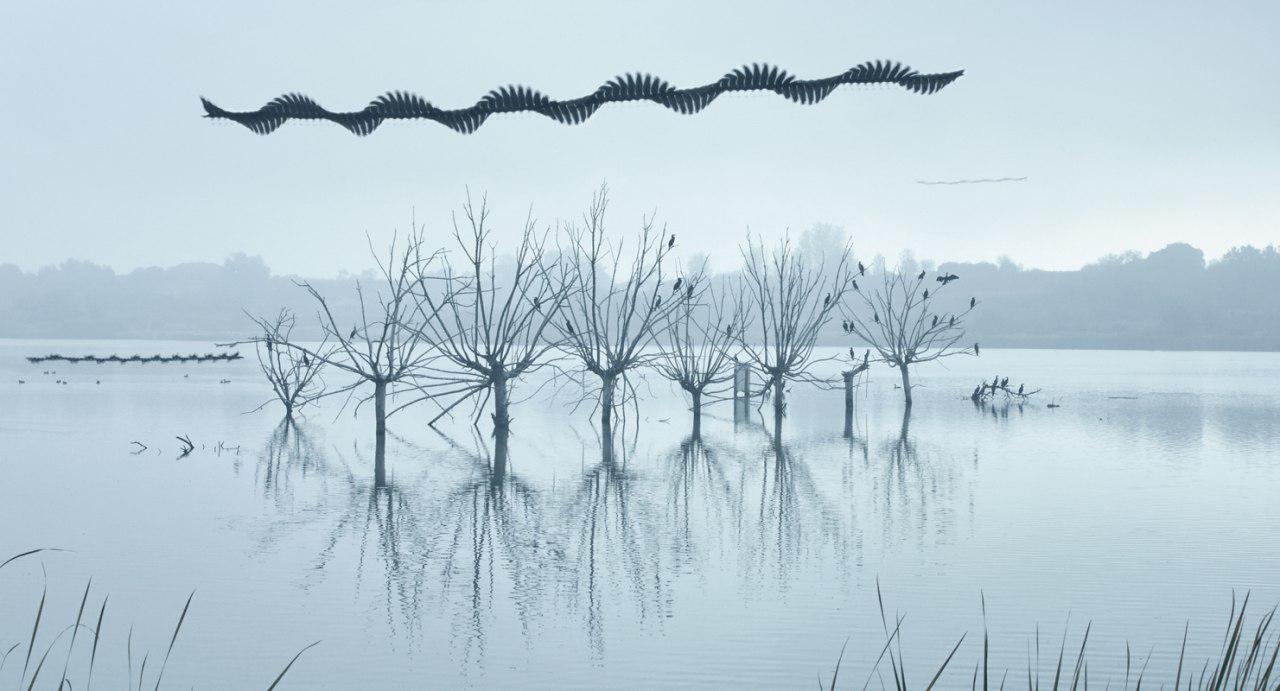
(689, 292)
(935, 321)
(926, 294)
(657, 302)
(678, 283)
(268, 345)
(855, 285)
(852, 356)
(1020, 387)
(537, 304)
(728, 330)
(972, 302)
(953, 321)
(861, 269)
(920, 277)
(1004, 383)
(352, 335)
(827, 300)
(866, 356)
(672, 242)
(306, 361)
(975, 349)
(844, 326)
(568, 326)
(876, 315)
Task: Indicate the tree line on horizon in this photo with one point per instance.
(1168, 299)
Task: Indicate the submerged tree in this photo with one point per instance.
(294, 375)
(383, 350)
(490, 326)
(792, 299)
(618, 305)
(900, 322)
(696, 350)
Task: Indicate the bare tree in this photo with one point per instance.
(490, 327)
(383, 349)
(696, 349)
(619, 305)
(899, 321)
(792, 299)
(294, 375)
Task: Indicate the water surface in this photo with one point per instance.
(1139, 505)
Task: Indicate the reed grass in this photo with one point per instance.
(1247, 661)
(31, 676)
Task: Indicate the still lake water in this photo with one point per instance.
(1139, 505)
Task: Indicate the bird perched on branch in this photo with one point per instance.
(678, 283)
(876, 316)
(855, 285)
(1020, 388)
(671, 242)
(861, 269)
(352, 335)
(568, 325)
(935, 321)
(827, 300)
(952, 322)
(926, 293)
(689, 292)
(537, 304)
(972, 302)
(920, 277)
(976, 351)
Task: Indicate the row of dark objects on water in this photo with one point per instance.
(207, 357)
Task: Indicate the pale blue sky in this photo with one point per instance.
(1138, 124)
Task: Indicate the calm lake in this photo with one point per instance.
(1138, 506)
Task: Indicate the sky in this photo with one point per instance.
(1135, 124)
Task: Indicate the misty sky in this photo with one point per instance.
(1138, 124)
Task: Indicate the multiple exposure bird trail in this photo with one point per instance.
(975, 181)
(400, 105)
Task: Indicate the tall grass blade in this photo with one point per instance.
(181, 618)
(71, 648)
(300, 652)
(97, 635)
(34, 630)
(945, 662)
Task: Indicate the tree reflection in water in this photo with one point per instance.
(459, 537)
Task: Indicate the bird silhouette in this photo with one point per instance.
(537, 304)
(948, 278)
(728, 330)
(976, 351)
(866, 355)
(306, 361)
(689, 291)
(1020, 387)
(678, 283)
(920, 277)
(861, 269)
(1004, 383)
(352, 335)
(672, 242)
(827, 300)
(852, 356)
(855, 285)
(952, 322)
(268, 345)
(876, 315)
(926, 294)
(935, 321)
(569, 326)
(657, 302)
(972, 302)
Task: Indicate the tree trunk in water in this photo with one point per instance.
(906, 383)
(606, 416)
(499, 471)
(848, 403)
(697, 414)
(380, 434)
(501, 416)
(779, 406)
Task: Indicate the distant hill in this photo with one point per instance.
(1170, 299)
